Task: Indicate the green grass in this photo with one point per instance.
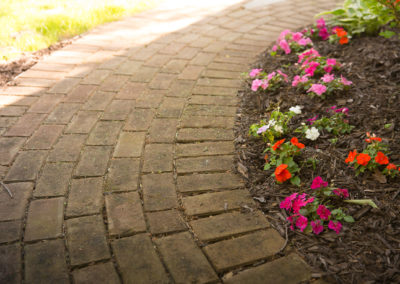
(30, 25)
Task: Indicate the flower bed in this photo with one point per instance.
(305, 136)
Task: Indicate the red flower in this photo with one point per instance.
(266, 157)
(340, 32)
(372, 138)
(296, 143)
(381, 159)
(351, 156)
(344, 40)
(281, 173)
(363, 159)
(391, 167)
(278, 144)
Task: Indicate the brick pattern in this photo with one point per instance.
(119, 152)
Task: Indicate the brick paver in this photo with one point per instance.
(119, 152)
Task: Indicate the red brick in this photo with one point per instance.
(83, 122)
(26, 125)
(104, 133)
(130, 144)
(96, 77)
(139, 120)
(98, 101)
(208, 182)
(63, 113)
(131, 91)
(64, 86)
(162, 81)
(10, 110)
(204, 134)
(45, 103)
(80, 94)
(191, 72)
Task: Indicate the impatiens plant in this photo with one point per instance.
(339, 35)
(291, 41)
(276, 126)
(267, 81)
(282, 155)
(311, 63)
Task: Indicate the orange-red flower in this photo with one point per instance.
(282, 173)
(266, 157)
(363, 159)
(381, 158)
(340, 32)
(372, 138)
(296, 143)
(392, 167)
(278, 144)
(352, 155)
(344, 40)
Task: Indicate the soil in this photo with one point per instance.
(367, 251)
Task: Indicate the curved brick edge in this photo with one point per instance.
(119, 152)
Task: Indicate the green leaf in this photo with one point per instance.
(387, 34)
(267, 167)
(387, 125)
(273, 53)
(295, 180)
(349, 219)
(362, 202)
(303, 211)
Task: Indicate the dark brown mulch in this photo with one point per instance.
(11, 69)
(367, 251)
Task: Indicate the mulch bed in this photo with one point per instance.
(367, 251)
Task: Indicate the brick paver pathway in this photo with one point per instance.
(119, 151)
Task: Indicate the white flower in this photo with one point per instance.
(296, 109)
(312, 133)
(278, 128)
(271, 123)
(264, 128)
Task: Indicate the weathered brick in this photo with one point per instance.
(26, 166)
(9, 147)
(63, 113)
(209, 110)
(112, 63)
(157, 60)
(172, 48)
(98, 273)
(98, 101)
(14, 208)
(123, 175)
(124, 214)
(96, 77)
(158, 158)
(85, 197)
(184, 259)
(32, 73)
(9, 110)
(244, 250)
(162, 222)
(22, 91)
(44, 66)
(207, 121)
(234, 60)
(93, 161)
(45, 217)
(207, 182)
(10, 263)
(83, 122)
(129, 67)
(113, 83)
(54, 180)
(204, 134)
(139, 120)
(204, 164)
(159, 196)
(202, 59)
(80, 94)
(143, 266)
(10, 231)
(86, 239)
(7, 121)
(201, 42)
(163, 130)
(150, 99)
(216, 100)
(104, 133)
(44, 137)
(118, 110)
(161, 81)
(67, 148)
(144, 75)
(181, 88)
(204, 149)
(64, 86)
(26, 125)
(191, 72)
(130, 144)
(218, 91)
(175, 66)
(227, 67)
(45, 103)
(215, 46)
(228, 224)
(188, 53)
(131, 91)
(222, 74)
(286, 270)
(171, 107)
(212, 82)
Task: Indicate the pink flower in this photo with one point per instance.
(301, 222)
(323, 212)
(312, 66)
(271, 75)
(335, 226)
(291, 220)
(344, 110)
(328, 69)
(318, 182)
(287, 202)
(297, 36)
(317, 227)
(341, 192)
(323, 33)
(254, 72)
(344, 81)
(311, 120)
(328, 78)
(296, 81)
(275, 47)
(285, 46)
(317, 88)
(262, 129)
(256, 84)
(321, 23)
(264, 84)
(283, 34)
(285, 77)
(300, 202)
(311, 53)
(331, 61)
(304, 41)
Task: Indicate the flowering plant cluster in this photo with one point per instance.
(282, 156)
(291, 41)
(314, 212)
(267, 81)
(337, 34)
(373, 158)
(337, 124)
(276, 126)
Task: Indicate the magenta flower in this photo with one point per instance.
(283, 35)
(291, 220)
(254, 72)
(341, 192)
(271, 75)
(285, 46)
(323, 212)
(328, 69)
(317, 227)
(335, 226)
(311, 53)
(275, 47)
(312, 66)
(323, 33)
(344, 81)
(344, 110)
(318, 182)
(321, 23)
(311, 120)
(297, 36)
(304, 41)
(287, 202)
(296, 81)
(328, 78)
(301, 222)
(317, 88)
(256, 84)
(332, 107)
(285, 77)
(331, 61)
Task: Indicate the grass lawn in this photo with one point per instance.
(30, 25)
